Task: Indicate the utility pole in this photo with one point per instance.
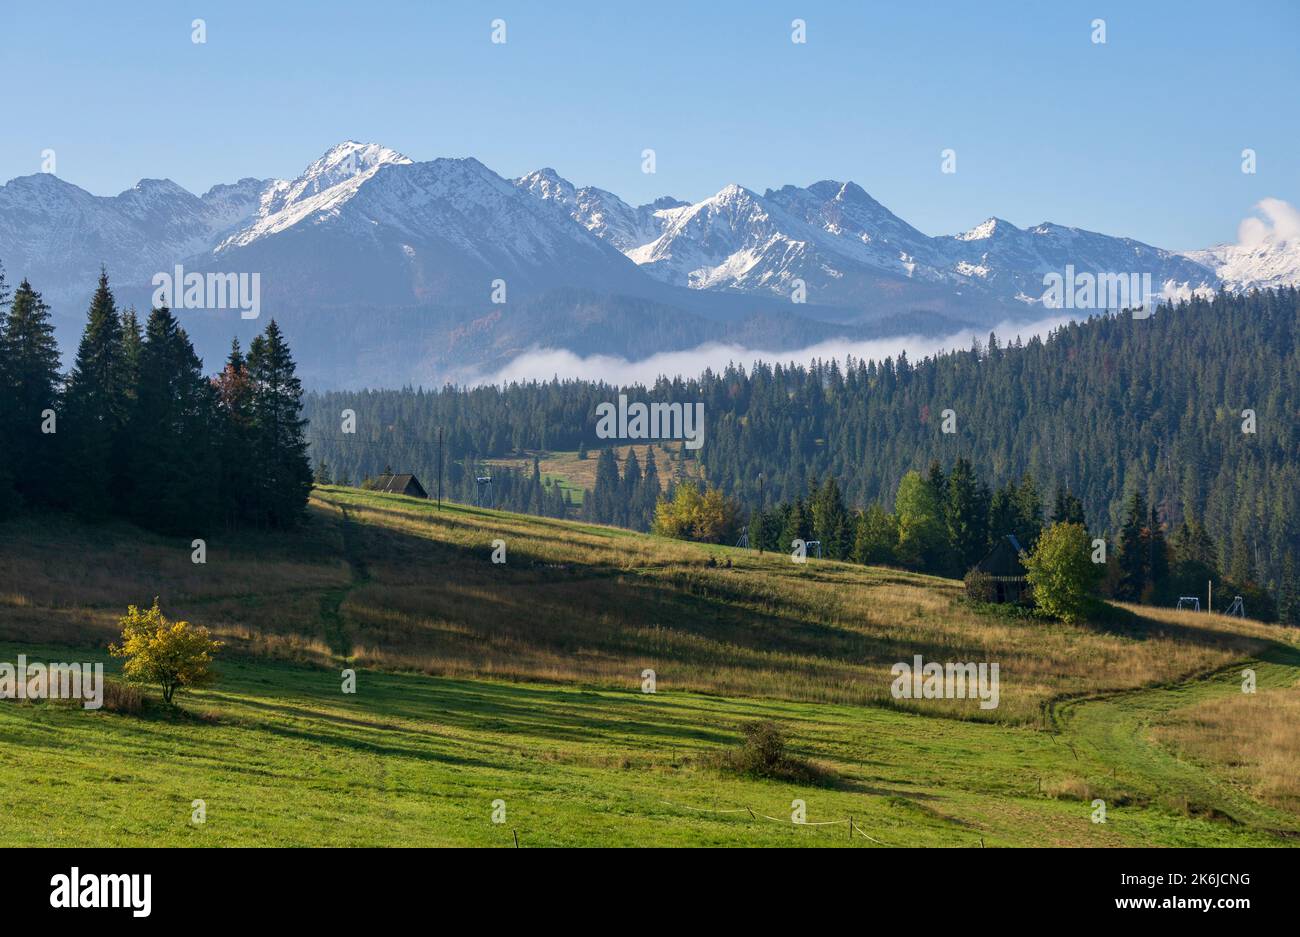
(439, 468)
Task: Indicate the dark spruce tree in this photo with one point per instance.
(630, 490)
(1134, 558)
(280, 447)
(602, 502)
(966, 516)
(797, 526)
(831, 521)
(1157, 564)
(95, 411)
(1067, 509)
(8, 497)
(31, 398)
(648, 496)
(172, 459)
(236, 440)
(1028, 523)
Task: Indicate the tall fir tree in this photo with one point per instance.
(649, 494)
(830, 521)
(95, 410)
(1289, 606)
(798, 526)
(1028, 513)
(31, 397)
(1002, 512)
(1067, 508)
(8, 496)
(630, 490)
(966, 510)
(603, 501)
(236, 440)
(173, 455)
(280, 449)
(1133, 553)
(1158, 585)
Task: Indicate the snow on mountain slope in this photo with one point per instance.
(842, 244)
(735, 240)
(1013, 261)
(719, 242)
(1267, 252)
(321, 189)
(854, 224)
(58, 235)
(436, 231)
(602, 213)
(1264, 265)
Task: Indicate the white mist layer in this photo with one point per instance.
(544, 364)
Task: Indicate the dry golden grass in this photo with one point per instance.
(67, 583)
(1255, 737)
(392, 582)
(596, 605)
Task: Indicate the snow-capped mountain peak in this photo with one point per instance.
(987, 229)
(602, 213)
(343, 163)
(322, 187)
(548, 185)
(1267, 252)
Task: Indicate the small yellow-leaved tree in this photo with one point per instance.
(172, 654)
(706, 516)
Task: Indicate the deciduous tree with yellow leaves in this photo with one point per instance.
(172, 654)
(706, 516)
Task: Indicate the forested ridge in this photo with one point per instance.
(1106, 408)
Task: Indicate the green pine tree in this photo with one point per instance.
(31, 399)
(966, 517)
(797, 526)
(96, 410)
(1133, 553)
(172, 456)
(280, 451)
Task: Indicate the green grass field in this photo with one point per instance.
(519, 683)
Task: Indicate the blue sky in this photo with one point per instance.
(1141, 136)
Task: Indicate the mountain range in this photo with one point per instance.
(384, 270)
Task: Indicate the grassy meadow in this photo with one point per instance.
(521, 682)
(576, 475)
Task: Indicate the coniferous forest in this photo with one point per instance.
(136, 430)
(1183, 425)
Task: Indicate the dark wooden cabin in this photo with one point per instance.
(401, 485)
(1005, 571)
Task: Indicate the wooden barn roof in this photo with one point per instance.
(1004, 558)
(396, 484)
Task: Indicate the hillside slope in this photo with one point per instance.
(538, 698)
